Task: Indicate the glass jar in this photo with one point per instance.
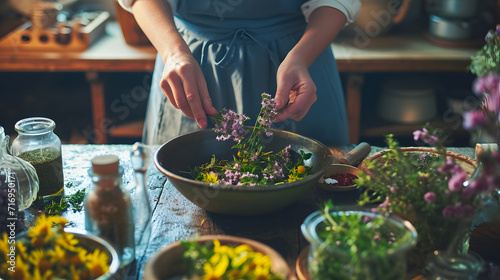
(18, 175)
(108, 207)
(452, 266)
(331, 260)
(38, 145)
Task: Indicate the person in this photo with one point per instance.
(226, 53)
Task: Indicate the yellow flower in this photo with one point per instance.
(79, 258)
(210, 178)
(97, 263)
(68, 242)
(58, 255)
(37, 275)
(4, 245)
(216, 267)
(21, 271)
(292, 178)
(41, 233)
(301, 169)
(40, 262)
(21, 250)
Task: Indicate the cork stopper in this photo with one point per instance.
(105, 165)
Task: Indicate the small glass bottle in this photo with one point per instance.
(19, 175)
(108, 207)
(39, 145)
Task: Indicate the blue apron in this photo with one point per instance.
(239, 45)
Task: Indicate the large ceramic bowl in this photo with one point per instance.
(167, 263)
(176, 157)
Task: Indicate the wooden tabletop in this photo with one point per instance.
(398, 52)
(174, 217)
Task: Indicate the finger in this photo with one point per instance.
(298, 109)
(180, 97)
(282, 94)
(193, 99)
(205, 98)
(167, 91)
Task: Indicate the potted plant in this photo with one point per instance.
(356, 244)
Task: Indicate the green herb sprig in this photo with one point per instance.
(74, 200)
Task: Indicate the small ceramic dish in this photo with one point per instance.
(328, 184)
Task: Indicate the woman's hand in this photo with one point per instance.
(296, 90)
(182, 81)
(185, 87)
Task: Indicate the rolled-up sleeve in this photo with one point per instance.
(350, 8)
(127, 4)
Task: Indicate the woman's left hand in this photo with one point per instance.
(296, 90)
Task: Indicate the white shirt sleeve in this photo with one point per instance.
(127, 4)
(350, 8)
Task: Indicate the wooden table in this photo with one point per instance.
(355, 56)
(175, 218)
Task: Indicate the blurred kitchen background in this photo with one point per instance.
(391, 101)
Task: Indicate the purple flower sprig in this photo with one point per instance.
(229, 125)
(251, 166)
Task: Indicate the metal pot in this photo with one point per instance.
(407, 100)
(454, 9)
(451, 29)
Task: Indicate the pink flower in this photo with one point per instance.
(394, 189)
(448, 166)
(493, 101)
(474, 119)
(230, 126)
(423, 135)
(456, 182)
(430, 197)
(449, 211)
(486, 84)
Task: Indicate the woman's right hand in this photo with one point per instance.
(185, 87)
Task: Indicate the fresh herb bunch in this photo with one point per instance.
(425, 189)
(251, 166)
(357, 245)
(486, 60)
(211, 260)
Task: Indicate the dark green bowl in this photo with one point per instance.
(181, 154)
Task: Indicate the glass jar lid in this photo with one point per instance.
(35, 125)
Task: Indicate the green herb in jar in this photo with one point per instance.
(48, 165)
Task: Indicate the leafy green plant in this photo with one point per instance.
(487, 59)
(428, 189)
(358, 245)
